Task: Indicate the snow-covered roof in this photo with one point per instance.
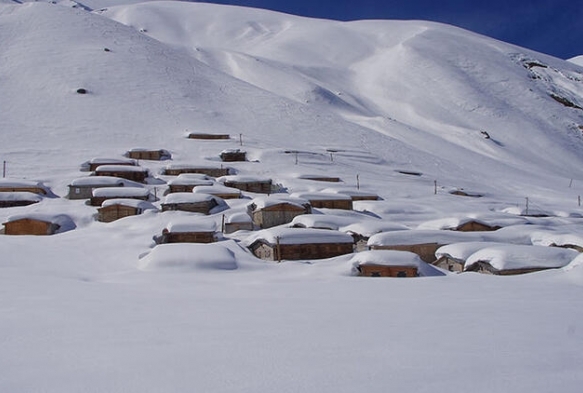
(298, 236)
(189, 197)
(216, 189)
(351, 192)
(182, 180)
(20, 196)
(262, 202)
(325, 221)
(511, 257)
(243, 179)
(369, 227)
(189, 256)
(139, 204)
(411, 237)
(462, 251)
(22, 183)
(112, 161)
(142, 149)
(90, 181)
(232, 151)
(492, 220)
(121, 192)
(321, 196)
(64, 222)
(572, 236)
(394, 258)
(120, 168)
(238, 218)
(194, 224)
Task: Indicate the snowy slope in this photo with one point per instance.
(394, 108)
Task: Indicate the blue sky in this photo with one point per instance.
(554, 27)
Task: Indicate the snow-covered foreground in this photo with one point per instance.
(408, 111)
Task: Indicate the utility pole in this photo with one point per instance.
(526, 206)
(3, 169)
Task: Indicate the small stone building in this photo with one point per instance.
(20, 185)
(149, 154)
(193, 231)
(218, 190)
(191, 202)
(178, 169)
(186, 182)
(421, 242)
(510, 259)
(133, 173)
(206, 136)
(326, 200)
(38, 224)
(102, 194)
(238, 222)
(94, 163)
(267, 212)
(247, 183)
(20, 198)
(391, 263)
(114, 209)
(279, 243)
(231, 155)
(82, 188)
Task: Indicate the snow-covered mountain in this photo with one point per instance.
(411, 111)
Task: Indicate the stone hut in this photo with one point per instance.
(212, 171)
(194, 203)
(82, 188)
(510, 259)
(94, 163)
(20, 198)
(102, 194)
(133, 173)
(247, 183)
(326, 200)
(114, 209)
(192, 231)
(38, 224)
(276, 244)
(231, 155)
(20, 185)
(186, 182)
(218, 190)
(267, 212)
(421, 242)
(388, 263)
(206, 136)
(149, 154)
(238, 222)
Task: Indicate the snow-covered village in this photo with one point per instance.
(202, 197)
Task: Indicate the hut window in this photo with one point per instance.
(77, 191)
(375, 274)
(401, 274)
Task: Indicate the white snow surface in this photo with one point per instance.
(577, 60)
(143, 205)
(396, 108)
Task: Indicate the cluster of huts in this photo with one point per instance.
(278, 226)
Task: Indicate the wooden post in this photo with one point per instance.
(278, 249)
(570, 183)
(3, 169)
(357, 182)
(434, 187)
(331, 157)
(296, 158)
(526, 212)
(223, 224)
(579, 200)
(240, 139)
